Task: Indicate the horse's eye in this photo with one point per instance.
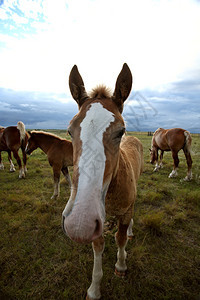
(120, 133)
(69, 133)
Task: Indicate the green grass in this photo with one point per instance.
(38, 262)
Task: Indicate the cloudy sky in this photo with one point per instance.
(41, 40)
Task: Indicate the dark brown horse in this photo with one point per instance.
(12, 167)
(59, 153)
(173, 140)
(11, 139)
(107, 165)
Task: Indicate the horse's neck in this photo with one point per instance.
(116, 172)
(44, 142)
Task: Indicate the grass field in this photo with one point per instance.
(37, 261)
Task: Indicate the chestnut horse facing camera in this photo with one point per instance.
(107, 165)
(11, 139)
(59, 153)
(173, 140)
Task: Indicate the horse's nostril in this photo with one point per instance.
(63, 221)
(97, 225)
(97, 228)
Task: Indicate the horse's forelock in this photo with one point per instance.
(100, 91)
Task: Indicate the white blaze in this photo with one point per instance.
(92, 159)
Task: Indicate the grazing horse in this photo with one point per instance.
(59, 153)
(107, 165)
(173, 140)
(11, 139)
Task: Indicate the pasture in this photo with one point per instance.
(37, 261)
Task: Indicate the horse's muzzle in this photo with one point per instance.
(82, 233)
(27, 150)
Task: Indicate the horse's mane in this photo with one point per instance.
(101, 91)
(157, 130)
(46, 133)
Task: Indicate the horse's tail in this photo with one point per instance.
(22, 131)
(188, 141)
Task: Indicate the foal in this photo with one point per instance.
(11, 139)
(173, 140)
(106, 170)
(59, 153)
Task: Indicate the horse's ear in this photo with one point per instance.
(77, 87)
(122, 87)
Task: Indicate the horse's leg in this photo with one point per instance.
(161, 158)
(67, 176)
(21, 171)
(189, 164)
(94, 290)
(24, 160)
(56, 177)
(12, 167)
(121, 240)
(174, 172)
(130, 230)
(157, 165)
(1, 162)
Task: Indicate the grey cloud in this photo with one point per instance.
(146, 110)
(35, 109)
(177, 106)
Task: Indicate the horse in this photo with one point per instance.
(11, 139)
(173, 140)
(12, 167)
(1, 162)
(107, 166)
(59, 153)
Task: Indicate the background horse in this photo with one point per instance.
(59, 153)
(11, 139)
(1, 162)
(12, 167)
(106, 170)
(172, 140)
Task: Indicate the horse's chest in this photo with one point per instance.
(120, 198)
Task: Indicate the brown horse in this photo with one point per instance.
(173, 140)
(59, 153)
(11, 139)
(12, 167)
(106, 169)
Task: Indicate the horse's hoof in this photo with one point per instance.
(187, 178)
(22, 176)
(120, 274)
(173, 174)
(130, 237)
(89, 298)
(54, 196)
